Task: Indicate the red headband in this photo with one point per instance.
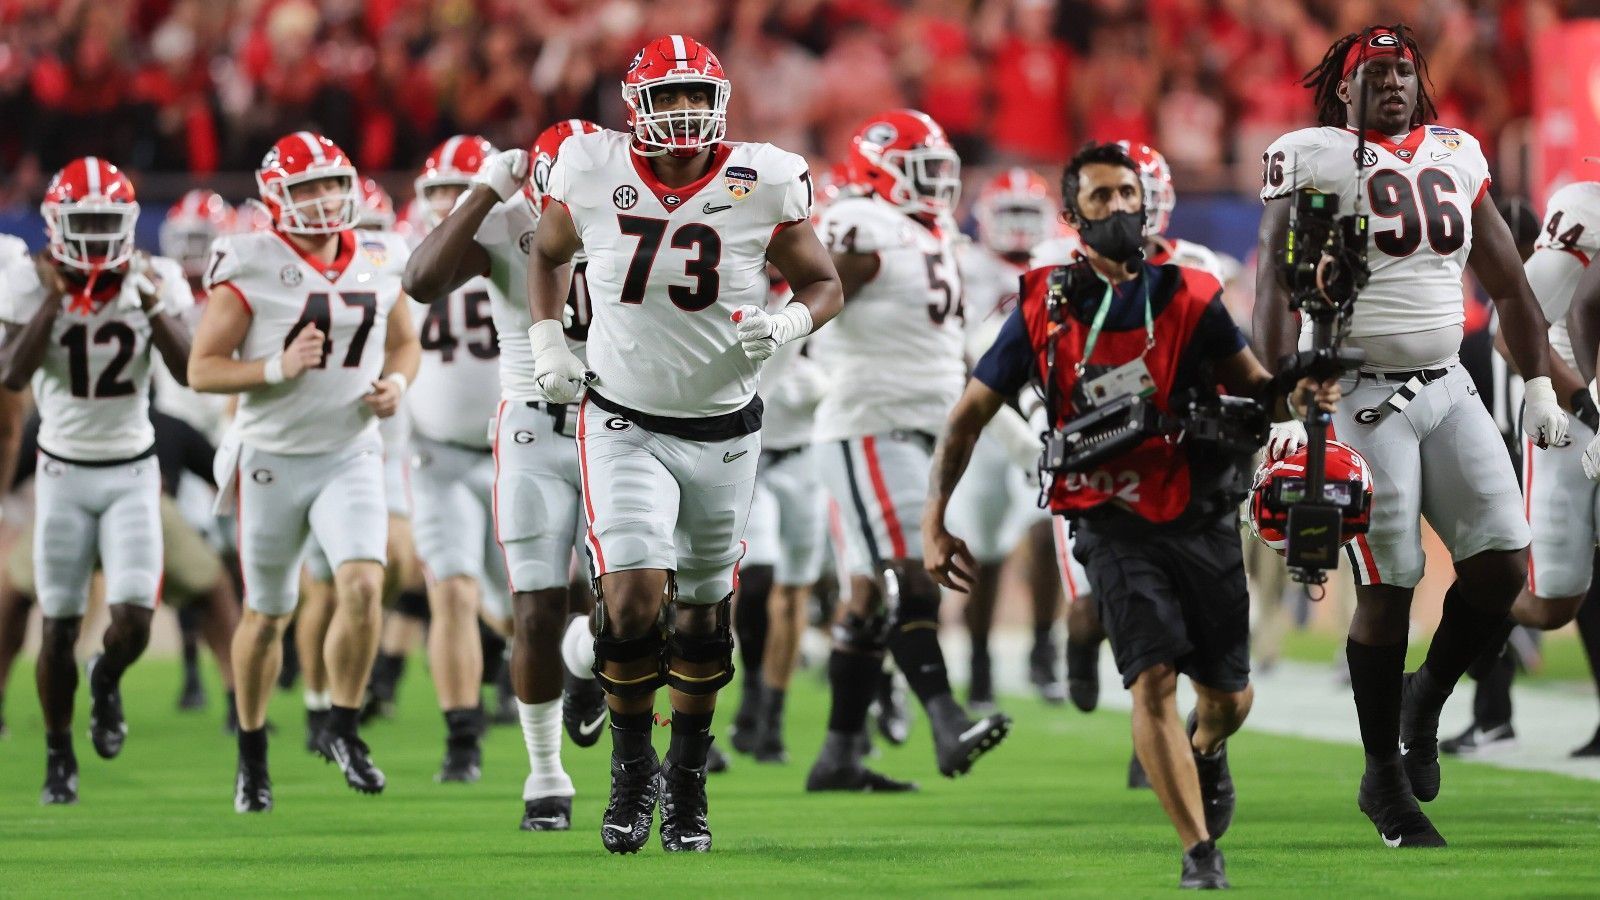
(1380, 42)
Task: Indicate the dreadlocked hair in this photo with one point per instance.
(1323, 79)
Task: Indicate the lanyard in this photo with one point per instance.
(1100, 321)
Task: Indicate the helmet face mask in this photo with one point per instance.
(1016, 227)
(439, 197)
(90, 214)
(654, 88)
(309, 186)
(904, 157)
(932, 176)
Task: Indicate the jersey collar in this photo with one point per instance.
(341, 260)
(719, 155)
(1405, 151)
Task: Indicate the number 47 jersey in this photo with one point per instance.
(1419, 194)
(349, 300)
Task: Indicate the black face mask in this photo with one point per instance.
(1118, 237)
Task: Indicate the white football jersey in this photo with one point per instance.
(1419, 197)
(1570, 240)
(458, 383)
(350, 302)
(93, 387)
(669, 266)
(1063, 250)
(990, 286)
(894, 357)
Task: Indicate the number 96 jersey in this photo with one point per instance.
(668, 266)
(349, 300)
(1419, 196)
(893, 358)
(93, 387)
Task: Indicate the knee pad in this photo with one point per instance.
(577, 647)
(610, 648)
(863, 634)
(715, 646)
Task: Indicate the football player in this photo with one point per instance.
(679, 225)
(1412, 410)
(535, 481)
(298, 323)
(81, 321)
(895, 365)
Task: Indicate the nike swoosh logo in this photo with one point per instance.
(1435, 157)
(622, 828)
(555, 820)
(695, 840)
(1389, 841)
(708, 209)
(730, 457)
(974, 731)
(588, 728)
(1404, 749)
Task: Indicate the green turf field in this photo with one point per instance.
(1046, 814)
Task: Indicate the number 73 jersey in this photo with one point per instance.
(1418, 195)
(349, 300)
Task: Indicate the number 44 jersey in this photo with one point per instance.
(349, 300)
(893, 358)
(1419, 194)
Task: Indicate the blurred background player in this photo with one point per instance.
(81, 323)
(894, 366)
(306, 308)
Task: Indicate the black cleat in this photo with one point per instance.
(354, 759)
(893, 710)
(252, 788)
(716, 761)
(1419, 737)
(316, 724)
(1590, 749)
(1137, 779)
(683, 810)
(625, 826)
(1479, 740)
(60, 779)
(583, 709)
(1203, 868)
(854, 779)
(193, 695)
(463, 763)
(1387, 799)
(107, 728)
(1044, 674)
(547, 814)
(770, 748)
(1083, 675)
(958, 750)
(769, 733)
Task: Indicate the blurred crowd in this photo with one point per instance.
(202, 86)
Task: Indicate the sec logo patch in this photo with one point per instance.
(625, 197)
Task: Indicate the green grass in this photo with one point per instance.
(1564, 660)
(1047, 814)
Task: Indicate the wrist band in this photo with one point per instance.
(272, 372)
(400, 379)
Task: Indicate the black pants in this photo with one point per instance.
(1175, 598)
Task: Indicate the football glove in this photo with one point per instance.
(559, 374)
(1543, 420)
(505, 173)
(1286, 439)
(760, 334)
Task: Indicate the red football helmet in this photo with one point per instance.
(191, 225)
(1156, 177)
(1280, 484)
(302, 158)
(904, 157)
(89, 213)
(542, 156)
(1015, 212)
(251, 215)
(667, 62)
(450, 166)
(377, 207)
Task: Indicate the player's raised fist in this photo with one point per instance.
(304, 352)
(760, 334)
(559, 374)
(504, 173)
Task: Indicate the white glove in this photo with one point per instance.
(1591, 459)
(146, 283)
(760, 335)
(505, 173)
(559, 374)
(1543, 420)
(1286, 439)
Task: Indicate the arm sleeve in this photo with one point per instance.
(1009, 363)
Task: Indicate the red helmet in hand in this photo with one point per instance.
(1278, 485)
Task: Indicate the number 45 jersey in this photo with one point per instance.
(349, 300)
(1419, 195)
(893, 358)
(93, 387)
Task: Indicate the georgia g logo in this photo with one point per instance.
(880, 133)
(1384, 41)
(1367, 416)
(618, 423)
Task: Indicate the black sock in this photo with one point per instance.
(853, 679)
(253, 745)
(58, 742)
(464, 726)
(691, 739)
(1375, 674)
(1041, 635)
(342, 720)
(494, 653)
(750, 623)
(1588, 619)
(630, 734)
(1464, 632)
(1491, 704)
(919, 657)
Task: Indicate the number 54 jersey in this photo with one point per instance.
(349, 300)
(668, 266)
(1419, 195)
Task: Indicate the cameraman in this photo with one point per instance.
(1157, 524)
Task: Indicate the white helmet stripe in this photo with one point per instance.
(576, 125)
(680, 51)
(313, 145)
(447, 156)
(91, 164)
